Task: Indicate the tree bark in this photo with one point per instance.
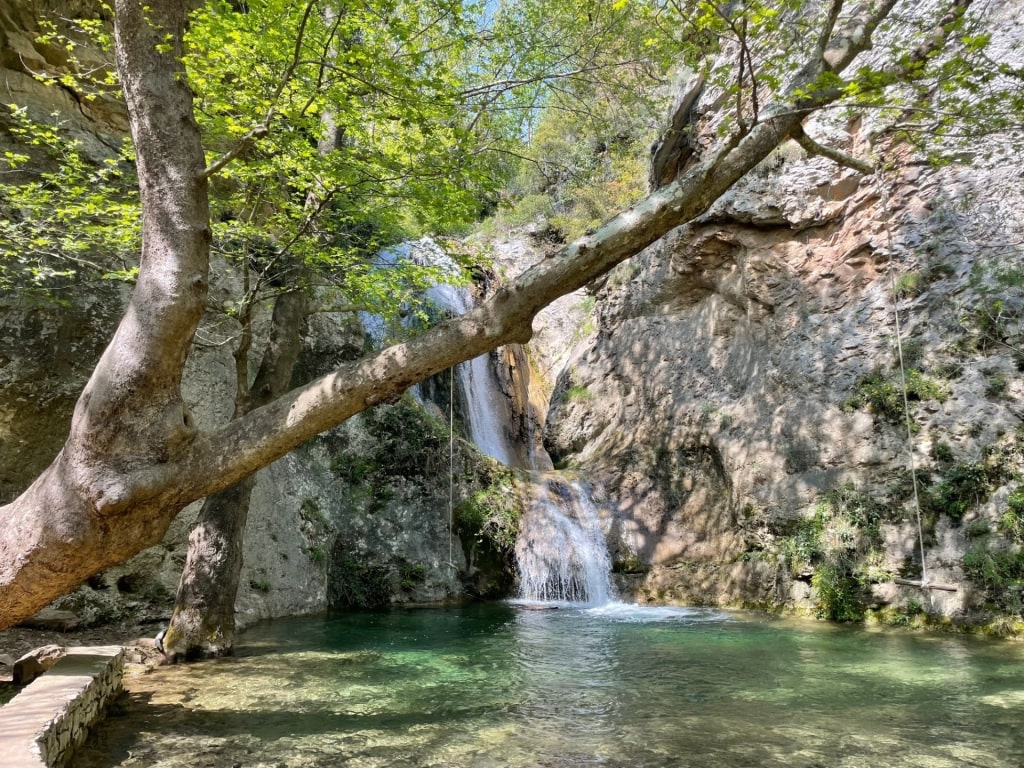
(202, 624)
(100, 499)
(134, 459)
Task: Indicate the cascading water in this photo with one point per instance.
(486, 406)
(486, 410)
(561, 551)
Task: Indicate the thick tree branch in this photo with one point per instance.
(812, 147)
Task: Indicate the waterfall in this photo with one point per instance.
(486, 411)
(561, 550)
(485, 406)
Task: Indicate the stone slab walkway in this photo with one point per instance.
(50, 717)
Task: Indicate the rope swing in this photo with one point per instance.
(924, 582)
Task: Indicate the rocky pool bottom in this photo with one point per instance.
(505, 685)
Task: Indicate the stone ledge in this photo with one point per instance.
(43, 725)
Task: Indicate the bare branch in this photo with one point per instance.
(239, 149)
(814, 148)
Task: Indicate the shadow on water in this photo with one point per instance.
(614, 687)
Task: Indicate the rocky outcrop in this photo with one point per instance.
(745, 372)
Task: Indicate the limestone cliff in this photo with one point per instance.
(740, 409)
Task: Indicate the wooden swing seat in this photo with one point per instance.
(926, 585)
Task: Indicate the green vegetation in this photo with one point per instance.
(996, 385)
(1011, 524)
(999, 572)
(840, 544)
(992, 320)
(960, 488)
(882, 393)
(406, 442)
(316, 529)
(909, 284)
(491, 515)
(942, 452)
(353, 127)
(411, 575)
(577, 392)
(586, 323)
(358, 584)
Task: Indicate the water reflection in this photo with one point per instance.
(618, 686)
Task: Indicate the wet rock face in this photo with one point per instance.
(746, 366)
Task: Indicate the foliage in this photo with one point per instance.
(996, 385)
(840, 544)
(961, 487)
(1011, 524)
(591, 121)
(942, 452)
(491, 515)
(316, 529)
(837, 592)
(411, 575)
(358, 584)
(64, 218)
(882, 393)
(909, 284)
(348, 132)
(407, 442)
(577, 392)
(1000, 574)
(992, 320)
(259, 585)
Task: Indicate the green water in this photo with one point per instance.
(500, 685)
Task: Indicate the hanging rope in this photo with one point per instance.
(451, 465)
(903, 385)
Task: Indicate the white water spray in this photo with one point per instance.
(561, 550)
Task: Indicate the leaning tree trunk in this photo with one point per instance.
(134, 458)
(203, 622)
(97, 503)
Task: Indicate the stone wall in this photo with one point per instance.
(43, 725)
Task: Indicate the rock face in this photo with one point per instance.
(773, 392)
(743, 392)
